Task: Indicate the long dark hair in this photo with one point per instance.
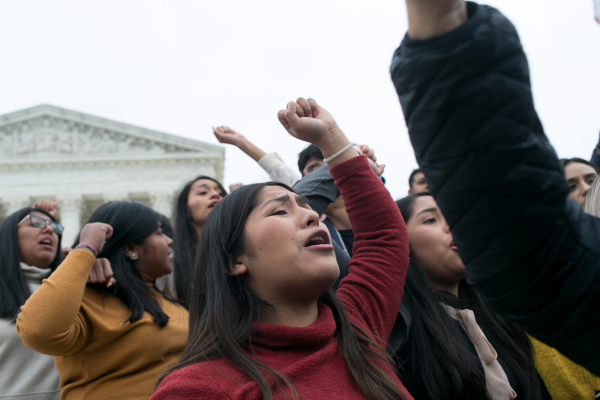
(441, 365)
(185, 242)
(223, 309)
(132, 222)
(14, 290)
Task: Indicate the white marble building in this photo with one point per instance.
(48, 152)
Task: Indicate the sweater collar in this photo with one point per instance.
(319, 332)
(35, 274)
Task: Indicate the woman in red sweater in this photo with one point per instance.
(263, 320)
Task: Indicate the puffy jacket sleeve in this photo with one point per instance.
(531, 251)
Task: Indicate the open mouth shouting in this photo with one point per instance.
(46, 242)
(319, 240)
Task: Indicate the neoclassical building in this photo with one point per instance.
(84, 161)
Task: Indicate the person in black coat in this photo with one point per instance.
(463, 82)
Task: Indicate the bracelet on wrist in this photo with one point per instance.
(326, 160)
(88, 246)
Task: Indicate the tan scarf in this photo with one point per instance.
(496, 380)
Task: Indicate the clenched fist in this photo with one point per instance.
(309, 122)
(96, 234)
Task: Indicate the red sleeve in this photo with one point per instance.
(372, 291)
(185, 384)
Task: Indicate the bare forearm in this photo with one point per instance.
(251, 149)
(434, 18)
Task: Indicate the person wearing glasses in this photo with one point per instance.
(109, 339)
(29, 243)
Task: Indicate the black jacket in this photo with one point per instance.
(530, 250)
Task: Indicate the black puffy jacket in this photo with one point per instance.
(529, 249)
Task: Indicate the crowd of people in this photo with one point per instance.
(481, 283)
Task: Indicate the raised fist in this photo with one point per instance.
(309, 122)
(96, 234)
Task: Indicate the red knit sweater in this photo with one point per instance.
(310, 356)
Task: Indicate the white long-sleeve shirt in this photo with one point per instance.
(278, 170)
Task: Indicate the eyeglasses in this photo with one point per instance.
(41, 223)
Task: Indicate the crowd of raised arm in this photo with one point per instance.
(482, 283)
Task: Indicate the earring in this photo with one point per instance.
(133, 257)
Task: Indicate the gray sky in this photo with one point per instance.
(183, 66)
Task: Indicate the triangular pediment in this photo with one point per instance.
(47, 130)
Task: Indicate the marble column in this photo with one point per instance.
(13, 203)
(162, 202)
(70, 216)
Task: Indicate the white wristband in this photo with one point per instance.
(326, 160)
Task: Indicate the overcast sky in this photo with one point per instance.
(183, 66)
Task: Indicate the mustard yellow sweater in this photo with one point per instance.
(564, 379)
(97, 354)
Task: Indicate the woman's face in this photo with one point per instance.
(155, 255)
(37, 247)
(432, 245)
(579, 178)
(289, 258)
(203, 197)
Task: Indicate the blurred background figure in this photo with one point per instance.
(166, 283)
(195, 201)
(417, 182)
(30, 240)
(579, 174)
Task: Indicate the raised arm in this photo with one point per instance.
(372, 291)
(531, 252)
(273, 164)
(50, 321)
